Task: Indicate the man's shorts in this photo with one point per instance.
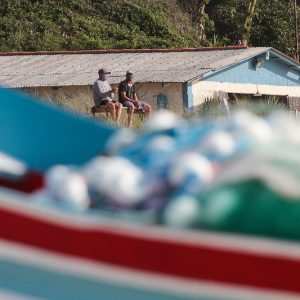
(104, 102)
(130, 104)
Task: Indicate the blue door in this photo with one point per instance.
(162, 101)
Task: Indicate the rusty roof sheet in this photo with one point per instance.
(73, 69)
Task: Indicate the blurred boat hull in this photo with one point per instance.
(58, 255)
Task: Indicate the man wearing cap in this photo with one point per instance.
(103, 95)
(128, 97)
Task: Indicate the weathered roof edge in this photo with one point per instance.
(122, 51)
(285, 57)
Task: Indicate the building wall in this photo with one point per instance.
(76, 98)
(80, 98)
(149, 92)
(274, 77)
(188, 96)
(274, 71)
(204, 90)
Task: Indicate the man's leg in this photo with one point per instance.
(111, 107)
(148, 109)
(118, 107)
(130, 109)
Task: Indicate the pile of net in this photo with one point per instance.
(237, 174)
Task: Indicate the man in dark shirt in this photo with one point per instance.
(128, 97)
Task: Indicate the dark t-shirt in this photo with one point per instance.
(124, 87)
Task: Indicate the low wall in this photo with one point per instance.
(80, 98)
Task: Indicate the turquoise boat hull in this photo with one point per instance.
(42, 135)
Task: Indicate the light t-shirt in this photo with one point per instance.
(102, 91)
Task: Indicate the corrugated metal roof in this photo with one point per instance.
(80, 68)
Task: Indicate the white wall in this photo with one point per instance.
(77, 98)
(149, 91)
(207, 89)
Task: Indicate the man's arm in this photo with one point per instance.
(122, 89)
(125, 98)
(112, 91)
(136, 98)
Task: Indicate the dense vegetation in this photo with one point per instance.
(104, 24)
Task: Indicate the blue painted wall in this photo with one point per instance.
(273, 72)
(187, 96)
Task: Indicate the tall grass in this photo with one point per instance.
(262, 106)
(211, 108)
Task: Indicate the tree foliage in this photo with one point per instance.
(85, 24)
(103, 24)
(272, 26)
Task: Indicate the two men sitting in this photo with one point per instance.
(103, 96)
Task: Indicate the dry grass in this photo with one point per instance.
(83, 109)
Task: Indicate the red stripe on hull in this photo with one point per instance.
(199, 262)
(30, 182)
